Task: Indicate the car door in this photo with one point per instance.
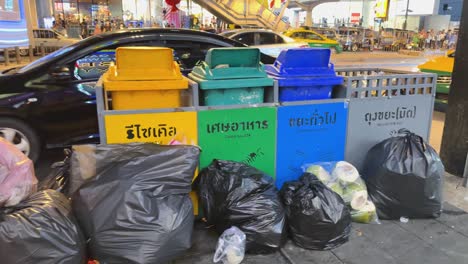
(314, 39)
(267, 38)
(41, 37)
(51, 38)
(299, 36)
(189, 49)
(248, 38)
(57, 40)
(66, 109)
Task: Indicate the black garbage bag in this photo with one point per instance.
(41, 230)
(404, 177)
(235, 194)
(137, 209)
(58, 177)
(318, 218)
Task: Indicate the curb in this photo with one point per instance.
(410, 52)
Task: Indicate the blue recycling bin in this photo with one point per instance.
(304, 74)
(309, 133)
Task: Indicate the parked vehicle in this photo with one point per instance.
(395, 39)
(51, 102)
(314, 39)
(330, 33)
(269, 42)
(51, 38)
(356, 38)
(402, 38)
(48, 38)
(386, 39)
(443, 66)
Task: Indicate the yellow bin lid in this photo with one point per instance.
(144, 63)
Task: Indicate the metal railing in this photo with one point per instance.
(19, 55)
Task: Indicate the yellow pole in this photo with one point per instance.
(280, 16)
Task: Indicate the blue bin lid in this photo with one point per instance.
(302, 62)
(304, 67)
(310, 81)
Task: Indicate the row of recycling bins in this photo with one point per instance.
(228, 76)
(252, 124)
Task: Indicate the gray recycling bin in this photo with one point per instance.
(383, 101)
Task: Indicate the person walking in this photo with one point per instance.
(452, 40)
(441, 39)
(422, 38)
(428, 40)
(107, 26)
(83, 29)
(432, 37)
(97, 27)
(415, 41)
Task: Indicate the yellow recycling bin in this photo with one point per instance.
(144, 78)
(161, 128)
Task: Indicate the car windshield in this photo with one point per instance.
(41, 61)
(288, 39)
(60, 34)
(228, 34)
(330, 35)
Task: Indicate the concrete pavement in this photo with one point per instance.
(424, 241)
(430, 241)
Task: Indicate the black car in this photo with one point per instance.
(51, 102)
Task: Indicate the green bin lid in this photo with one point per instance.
(230, 63)
(207, 84)
(234, 57)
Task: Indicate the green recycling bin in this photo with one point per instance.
(244, 135)
(231, 76)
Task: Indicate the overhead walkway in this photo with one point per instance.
(249, 13)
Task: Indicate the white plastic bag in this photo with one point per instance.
(344, 179)
(231, 247)
(17, 178)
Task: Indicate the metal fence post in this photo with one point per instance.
(465, 173)
(17, 54)
(42, 50)
(6, 53)
(31, 53)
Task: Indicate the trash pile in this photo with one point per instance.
(344, 179)
(235, 194)
(318, 218)
(405, 177)
(230, 248)
(130, 203)
(136, 207)
(16, 175)
(35, 226)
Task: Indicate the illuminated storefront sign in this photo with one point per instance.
(13, 27)
(10, 10)
(381, 8)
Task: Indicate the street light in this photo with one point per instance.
(406, 15)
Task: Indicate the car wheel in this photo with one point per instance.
(24, 52)
(21, 136)
(354, 47)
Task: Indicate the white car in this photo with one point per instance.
(268, 41)
(51, 38)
